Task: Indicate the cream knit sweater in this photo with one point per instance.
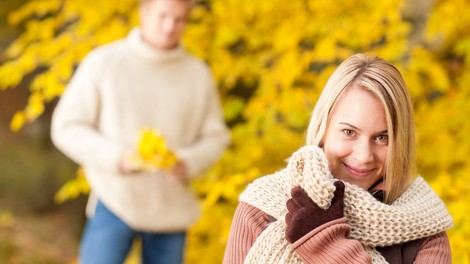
(126, 86)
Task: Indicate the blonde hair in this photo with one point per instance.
(384, 81)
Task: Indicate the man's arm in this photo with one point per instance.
(75, 120)
(213, 137)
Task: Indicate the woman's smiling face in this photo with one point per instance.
(356, 139)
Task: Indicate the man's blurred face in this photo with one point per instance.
(163, 22)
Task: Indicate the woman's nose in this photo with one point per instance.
(363, 151)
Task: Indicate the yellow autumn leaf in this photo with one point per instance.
(153, 152)
(6, 219)
(10, 75)
(35, 107)
(18, 121)
(73, 187)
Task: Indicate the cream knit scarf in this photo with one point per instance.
(418, 213)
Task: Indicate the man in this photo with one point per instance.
(146, 80)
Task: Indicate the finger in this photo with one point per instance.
(292, 206)
(288, 218)
(301, 198)
(338, 199)
(296, 190)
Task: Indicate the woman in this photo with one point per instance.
(351, 195)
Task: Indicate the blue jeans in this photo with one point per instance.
(108, 240)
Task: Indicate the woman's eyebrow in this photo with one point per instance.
(347, 124)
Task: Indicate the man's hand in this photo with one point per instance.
(179, 171)
(130, 163)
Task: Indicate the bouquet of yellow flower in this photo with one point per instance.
(152, 151)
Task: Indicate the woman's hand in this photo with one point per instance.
(304, 215)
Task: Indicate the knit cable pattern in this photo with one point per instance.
(417, 213)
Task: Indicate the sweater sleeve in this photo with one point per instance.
(328, 243)
(213, 136)
(247, 225)
(75, 120)
(435, 249)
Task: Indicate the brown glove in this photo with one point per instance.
(304, 215)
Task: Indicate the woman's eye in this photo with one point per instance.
(348, 132)
(382, 139)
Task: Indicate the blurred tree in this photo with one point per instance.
(271, 60)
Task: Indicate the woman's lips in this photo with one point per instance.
(358, 172)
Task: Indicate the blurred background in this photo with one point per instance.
(270, 60)
(33, 228)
